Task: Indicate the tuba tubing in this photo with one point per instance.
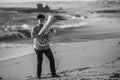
(49, 22)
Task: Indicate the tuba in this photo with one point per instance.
(47, 32)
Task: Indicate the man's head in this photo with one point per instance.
(41, 18)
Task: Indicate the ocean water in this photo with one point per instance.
(72, 8)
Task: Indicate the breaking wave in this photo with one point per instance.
(82, 23)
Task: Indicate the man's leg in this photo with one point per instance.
(49, 54)
(39, 62)
(50, 57)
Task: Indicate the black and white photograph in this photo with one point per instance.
(59, 39)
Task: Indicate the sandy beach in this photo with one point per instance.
(83, 58)
(85, 48)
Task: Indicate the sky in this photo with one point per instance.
(38, 0)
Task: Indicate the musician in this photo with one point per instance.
(41, 46)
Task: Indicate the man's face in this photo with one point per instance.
(41, 20)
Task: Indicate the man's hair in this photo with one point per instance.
(40, 16)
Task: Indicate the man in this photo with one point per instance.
(41, 46)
